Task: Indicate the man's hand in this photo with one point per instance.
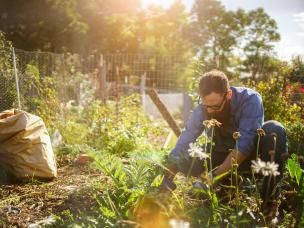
(233, 157)
(168, 184)
(171, 171)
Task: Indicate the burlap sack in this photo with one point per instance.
(25, 146)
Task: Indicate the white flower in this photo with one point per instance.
(258, 165)
(197, 152)
(266, 168)
(271, 169)
(179, 223)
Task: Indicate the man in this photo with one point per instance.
(239, 109)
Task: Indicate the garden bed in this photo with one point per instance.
(25, 204)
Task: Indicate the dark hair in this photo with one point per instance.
(213, 81)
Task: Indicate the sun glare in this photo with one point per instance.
(163, 3)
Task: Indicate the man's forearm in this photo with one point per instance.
(227, 164)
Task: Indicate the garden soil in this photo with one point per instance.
(24, 204)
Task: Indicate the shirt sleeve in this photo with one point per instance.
(251, 118)
(193, 129)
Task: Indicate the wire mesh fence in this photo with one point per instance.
(165, 73)
(40, 80)
(32, 81)
(8, 90)
(125, 74)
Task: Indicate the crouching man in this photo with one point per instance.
(238, 109)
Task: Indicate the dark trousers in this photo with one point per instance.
(224, 143)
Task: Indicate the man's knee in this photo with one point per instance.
(275, 139)
(275, 135)
(273, 126)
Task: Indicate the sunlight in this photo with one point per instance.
(162, 3)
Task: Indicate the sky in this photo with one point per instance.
(289, 15)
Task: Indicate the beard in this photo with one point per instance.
(223, 116)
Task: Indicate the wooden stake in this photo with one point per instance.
(164, 112)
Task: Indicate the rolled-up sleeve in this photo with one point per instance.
(193, 129)
(251, 118)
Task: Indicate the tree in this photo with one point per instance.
(111, 25)
(41, 24)
(77, 26)
(214, 32)
(260, 34)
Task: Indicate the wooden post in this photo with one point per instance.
(187, 106)
(143, 90)
(102, 79)
(164, 112)
(117, 90)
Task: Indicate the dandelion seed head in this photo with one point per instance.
(211, 123)
(236, 135)
(261, 132)
(235, 165)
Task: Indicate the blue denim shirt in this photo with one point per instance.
(247, 115)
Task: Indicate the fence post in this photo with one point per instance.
(117, 91)
(187, 106)
(142, 89)
(164, 112)
(16, 77)
(102, 79)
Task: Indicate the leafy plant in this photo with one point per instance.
(294, 169)
(127, 183)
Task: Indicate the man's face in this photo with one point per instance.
(215, 102)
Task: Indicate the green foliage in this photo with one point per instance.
(74, 132)
(8, 92)
(277, 105)
(295, 137)
(297, 68)
(294, 168)
(117, 131)
(106, 128)
(128, 182)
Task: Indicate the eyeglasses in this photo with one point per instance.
(215, 107)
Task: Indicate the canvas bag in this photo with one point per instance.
(25, 146)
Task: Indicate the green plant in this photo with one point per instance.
(295, 137)
(127, 183)
(8, 92)
(277, 105)
(294, 169)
